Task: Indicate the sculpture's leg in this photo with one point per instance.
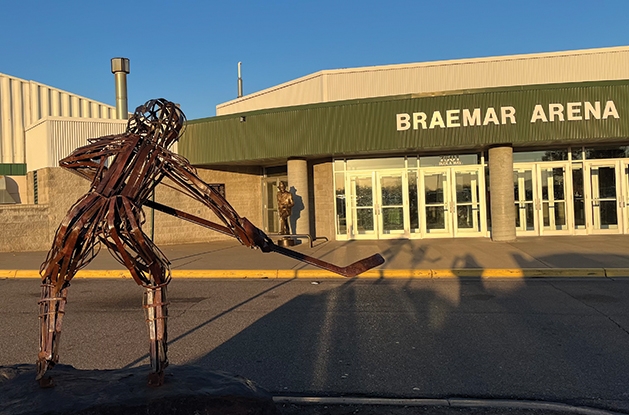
(74, 246)
(149, 267)
(156, 311)
(51, 311)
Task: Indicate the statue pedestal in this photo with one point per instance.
(187, 390)
(286, 241)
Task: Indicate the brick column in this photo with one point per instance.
(298, 186)
(501, 193)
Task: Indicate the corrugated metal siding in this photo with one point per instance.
(67, 135)
(54, 138)
(473, 75)
(23, 103)
(306, 90)
(345, 84)
(369, 126)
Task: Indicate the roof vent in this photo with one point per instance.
(5, 196)
(120, 68)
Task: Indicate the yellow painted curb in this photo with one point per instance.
(85, 273)
(32, 273)
(456, 273)
(518, 272)
(373, 273)
(572, 272)
(27, 273)
(617, 272)
(479, 273)
(503, 273)
(224, 273)
(397, 273)
(306, 273)
(7, 273)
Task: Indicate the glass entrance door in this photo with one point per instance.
(555, 213)
(524, 180)
(378, 205)
(624, 196)
(435, 217)
(452, 201)
(467, 201)
(579, 199)
(543, 198)
(391, 209)
(362, 207)
(605, 196)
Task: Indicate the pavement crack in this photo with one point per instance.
(590, 306)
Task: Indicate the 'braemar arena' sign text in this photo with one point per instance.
(555, 112)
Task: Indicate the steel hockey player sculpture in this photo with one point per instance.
(124, 170)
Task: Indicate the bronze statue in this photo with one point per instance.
(124, 170)
(284, 207)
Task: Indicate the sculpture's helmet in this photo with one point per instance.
(159, 120)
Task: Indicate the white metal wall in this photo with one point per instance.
(440, 76)
(54, 138)
(23, 103)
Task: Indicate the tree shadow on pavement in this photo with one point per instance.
(465, 337)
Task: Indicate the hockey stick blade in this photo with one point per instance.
(349, 271)
(363, 265)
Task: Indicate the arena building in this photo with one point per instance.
(490, 147)
(497, 147)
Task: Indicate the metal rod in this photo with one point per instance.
(239, 80)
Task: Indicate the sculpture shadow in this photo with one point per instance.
(414, 339)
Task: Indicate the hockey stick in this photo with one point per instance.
(351, 270)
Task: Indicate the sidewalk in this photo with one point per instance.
(594, 255)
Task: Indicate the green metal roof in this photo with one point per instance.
(451, 121)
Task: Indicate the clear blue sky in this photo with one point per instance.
(187, 51)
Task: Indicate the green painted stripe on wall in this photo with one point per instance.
(9, 169)
(371, 126)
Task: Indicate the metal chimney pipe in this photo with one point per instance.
(120, 69)
(239, 80)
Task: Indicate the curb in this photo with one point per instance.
(447, 402)
(483, 273)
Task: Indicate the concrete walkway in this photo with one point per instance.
(594, 255)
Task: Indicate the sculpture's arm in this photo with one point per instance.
(88, 160)
(179, 170)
